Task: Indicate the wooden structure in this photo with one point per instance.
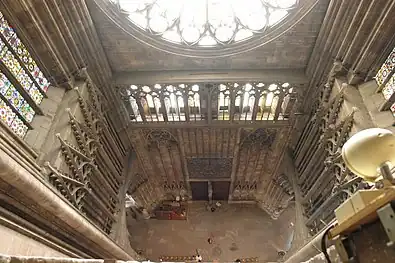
(366, 233)
(170, 210)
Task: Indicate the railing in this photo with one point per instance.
(230, 102)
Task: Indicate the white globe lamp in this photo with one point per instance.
(370, 154)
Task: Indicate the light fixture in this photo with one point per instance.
(370, 154)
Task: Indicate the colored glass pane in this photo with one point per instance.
(389, 88)
(19, 127)
(23, 54)
(386, 69)
(6, 114)
(1, 44)
(29, 63)
(382, 74)
(16, 58)
(15, 98)
(5, 29)
(10, 118)
(19, 73)
(393, 109)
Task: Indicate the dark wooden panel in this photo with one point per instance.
(220, 190)
(199, 191)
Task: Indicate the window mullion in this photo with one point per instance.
(11, 49)
(20, 89)
(387, 105)
(4, 99)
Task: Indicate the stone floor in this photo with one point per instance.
(237, 231)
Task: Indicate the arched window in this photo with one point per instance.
(385, 79)
(22, 84)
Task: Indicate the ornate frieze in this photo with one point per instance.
(160, 137)
(206, 168)
(260, 138)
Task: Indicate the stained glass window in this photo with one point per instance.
(23, 54)
(386, 68)
(389, 88)
(15, 98)
(384, 76)
(20, 74)
(20, 79)
(206, 23)
(10, 118)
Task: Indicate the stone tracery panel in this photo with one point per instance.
(323, 178)
(228, 101)
(208, 168)
(164, 149)
(91, 179)
(254, 153)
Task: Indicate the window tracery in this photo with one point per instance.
(386, 80)
(255, 101)
(206, 23)
(22, 84)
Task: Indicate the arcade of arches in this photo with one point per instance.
(140, 130)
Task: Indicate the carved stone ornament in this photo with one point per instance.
(86, 184)
(209, 167)
(244, 190)
(174, 186)
(157, 137)
(283, 182)
(261, 138)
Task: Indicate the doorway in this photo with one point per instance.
(199, 191)
(220, 190)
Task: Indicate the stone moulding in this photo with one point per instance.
(17, 176)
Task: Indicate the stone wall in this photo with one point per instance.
(15, 243)
(41, 124)
(74, 155)
(143, 184)
(373, 101)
